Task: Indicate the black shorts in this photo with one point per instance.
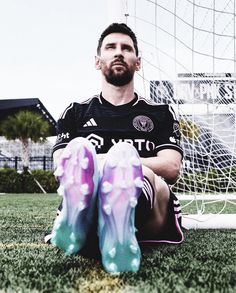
(173, 231)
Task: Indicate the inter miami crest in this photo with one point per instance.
(143, 123)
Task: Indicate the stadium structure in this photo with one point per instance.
(9, 150)
(205, 100)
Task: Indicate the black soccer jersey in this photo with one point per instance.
(147, 126)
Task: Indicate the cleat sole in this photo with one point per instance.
(78, 185)
(117, 240)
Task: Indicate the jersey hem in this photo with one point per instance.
(170, 146)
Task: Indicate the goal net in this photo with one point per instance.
(188, 50)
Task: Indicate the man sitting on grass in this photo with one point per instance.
(115, 155)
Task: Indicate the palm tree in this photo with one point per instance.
(189, 129)
(26, 126)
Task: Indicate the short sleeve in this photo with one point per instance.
(170, 136)
(65, 128)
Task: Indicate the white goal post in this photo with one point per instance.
(188, 51)
(201, 220)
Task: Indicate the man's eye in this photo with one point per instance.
(128, 49)
(110, 47)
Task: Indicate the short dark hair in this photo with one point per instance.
(118, 28)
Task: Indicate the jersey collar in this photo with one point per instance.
(131, 103)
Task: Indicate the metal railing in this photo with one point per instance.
(36, 162)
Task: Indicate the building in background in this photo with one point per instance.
(206, 104)
(40, 153)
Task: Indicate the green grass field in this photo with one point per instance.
(205, 262)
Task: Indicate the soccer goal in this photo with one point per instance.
(188, 50)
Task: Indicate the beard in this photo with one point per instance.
(119, 77)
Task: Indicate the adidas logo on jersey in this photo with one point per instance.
(91, 122)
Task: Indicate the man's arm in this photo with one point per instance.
(166, 164)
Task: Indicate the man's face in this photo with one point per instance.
(117, 60)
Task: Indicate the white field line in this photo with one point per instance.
(24, 245)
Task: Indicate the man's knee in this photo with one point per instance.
(160, 187)
(149, 174)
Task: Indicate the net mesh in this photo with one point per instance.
(188, 50)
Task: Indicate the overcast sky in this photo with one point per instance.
(47, 50)
(47, 47)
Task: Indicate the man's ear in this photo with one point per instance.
(138, 64)
(97, 63)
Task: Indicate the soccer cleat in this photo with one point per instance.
(78, 176)
(119, 190)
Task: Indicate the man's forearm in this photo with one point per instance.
(168, 169)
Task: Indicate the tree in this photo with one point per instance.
(26, 126)
(189, 129)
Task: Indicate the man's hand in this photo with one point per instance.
(166, 164)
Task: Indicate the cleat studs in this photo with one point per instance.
(59, 171)
(107, 209)
(133, 202)
(70, 249)
(133, 248)
(66, 154)
(84, 188)
(138, 182)
(84, 163)
(135, 264)
(106, 187)
(135, 162)
(112, 252)
(72, 237)
(133, 230)
(81, 206)
(61, 190)
(112, 267)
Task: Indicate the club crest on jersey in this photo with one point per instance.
(143, 123)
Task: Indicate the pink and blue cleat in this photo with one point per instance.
(78, 176)
(119, 189)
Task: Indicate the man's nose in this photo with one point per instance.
(119, 55)
(118, 52)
